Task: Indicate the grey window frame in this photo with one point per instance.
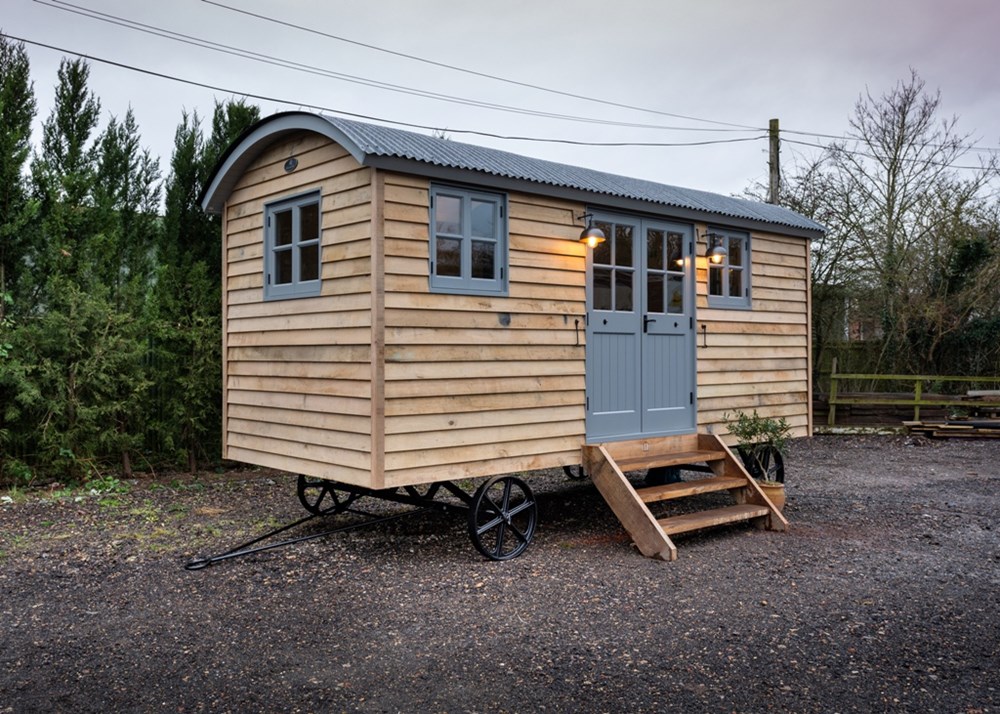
(296, 288)
(727, 301)
(465, 283)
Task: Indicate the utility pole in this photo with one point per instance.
(773, 164)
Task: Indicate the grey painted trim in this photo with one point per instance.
(466, 284)
(254, 141)
(296, 288)
(728, 302)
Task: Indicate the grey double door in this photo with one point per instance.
(640, 329)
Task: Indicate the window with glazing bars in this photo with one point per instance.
(468, 235)
(292, 247)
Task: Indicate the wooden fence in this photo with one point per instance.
(975, 400)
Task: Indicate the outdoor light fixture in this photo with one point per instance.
(716, 251)
(591, 235)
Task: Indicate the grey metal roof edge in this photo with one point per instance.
(252, 142)
(408, 152)
(425, 155)
(588, 198)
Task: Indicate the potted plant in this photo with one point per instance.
(761, 444)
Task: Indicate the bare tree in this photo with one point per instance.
(912, 229)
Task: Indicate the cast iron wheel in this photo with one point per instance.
(502, 517)
(764, 464)
(321, 497)
(574, 473)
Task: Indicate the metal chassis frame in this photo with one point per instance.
(409, 496)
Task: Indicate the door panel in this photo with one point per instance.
(667, 340)
(640, 335)
(613, 327)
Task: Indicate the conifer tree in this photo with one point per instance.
(17, 110)
(188, 298)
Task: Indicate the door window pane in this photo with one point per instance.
(483, 259)
(449, 257)
(602, 252)
(654, 249)
(654, 286)
(623, 290)
(675, 294)
(602, 289)
(675, 252)
(623, 245)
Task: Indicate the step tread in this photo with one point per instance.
(652, 494)
(677, 458)
(707, 519)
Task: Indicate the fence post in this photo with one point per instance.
(918, 392)
(831, 412)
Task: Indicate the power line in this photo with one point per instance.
(65, 6)
(331, 110)
(353, 79)
(473, 72)
(826, 147)
(986, 149)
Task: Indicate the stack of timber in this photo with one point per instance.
(609, 463)
(959, 428)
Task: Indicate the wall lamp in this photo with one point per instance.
(715, 251)
(591, 235)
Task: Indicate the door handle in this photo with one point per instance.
(646, 319)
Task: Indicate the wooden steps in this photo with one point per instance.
(608, 463)
(678, 459)
(682, 489)
(708, 519)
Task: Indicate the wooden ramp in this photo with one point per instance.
(608, 463)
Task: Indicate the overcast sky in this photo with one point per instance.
(731, 62)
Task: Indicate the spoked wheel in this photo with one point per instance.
(764, 464)
(574, 473)
(321, 497)
(502, 518)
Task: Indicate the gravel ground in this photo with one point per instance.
(883, 596)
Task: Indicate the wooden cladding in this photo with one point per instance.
(758, 359)
(480, 385)
(298, 379)
(379, 382)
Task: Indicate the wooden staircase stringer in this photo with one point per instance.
(646, 532)
(753, 493)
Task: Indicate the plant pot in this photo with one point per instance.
(774, 491)
(763, 462)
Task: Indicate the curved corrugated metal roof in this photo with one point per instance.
(374, 145)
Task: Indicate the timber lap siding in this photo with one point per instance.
(759, 359)
(298, 373)
(378, 381)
